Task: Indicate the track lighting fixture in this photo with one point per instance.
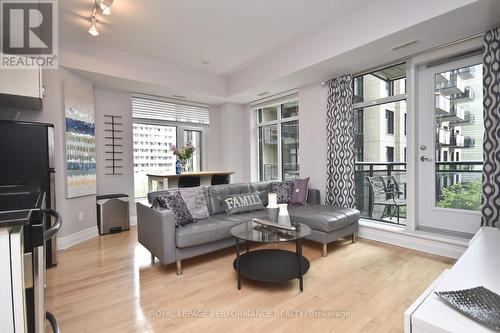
(93, 28)
(104, 6)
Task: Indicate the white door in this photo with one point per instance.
(449, 145)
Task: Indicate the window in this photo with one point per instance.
(194, 137)
(278, 140)
(358, 121)
(389, 122)
(389, 153)
(359, 153)
(158, 123)
(405, 124)
(379, 106)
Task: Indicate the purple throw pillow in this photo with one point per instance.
(300, 189)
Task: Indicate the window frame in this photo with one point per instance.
(179, 133)
(278, 122)
(180, 128)
(389, 122)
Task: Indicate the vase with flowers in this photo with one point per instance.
(183, 155)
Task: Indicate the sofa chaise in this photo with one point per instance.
(158, 234)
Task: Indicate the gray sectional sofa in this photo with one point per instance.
(157, 231)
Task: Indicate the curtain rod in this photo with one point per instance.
(400, 60)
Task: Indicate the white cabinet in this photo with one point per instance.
(478, 266)
(12, 299)
(21, 88)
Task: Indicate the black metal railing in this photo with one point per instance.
(364, 196)
(455, 172)
(447, 174)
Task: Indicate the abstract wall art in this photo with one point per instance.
(80, 140)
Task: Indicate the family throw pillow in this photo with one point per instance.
(283, 191)
(241, 203)
(176, 204)
(300, 190)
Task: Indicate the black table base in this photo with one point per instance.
(271, 265)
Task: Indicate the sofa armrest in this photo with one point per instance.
(156, 232)
(313, 197)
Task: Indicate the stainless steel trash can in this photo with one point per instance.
(112, 213)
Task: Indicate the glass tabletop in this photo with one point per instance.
(255, 232)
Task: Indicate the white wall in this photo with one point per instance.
(53, 112)
(234, 140)
(312, 135)
(116, 103)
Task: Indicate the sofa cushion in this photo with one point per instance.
(176, 203)
(203, 232)
(241, 203)
(263, 189)
(196, 202)
(243, 217)
(323, 218)
(196, 199)
(152, 195)
(215, 193)
(283, 191)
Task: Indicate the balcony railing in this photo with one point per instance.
(443, 105)
(465, 97)
(364, 196)
(443, 136)
(455, 85)
(456, 114)
(447, 174)
(457, 140)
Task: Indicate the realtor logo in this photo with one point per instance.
(29, 36)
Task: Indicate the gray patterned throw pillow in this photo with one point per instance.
(241, 203)
(175, 203)
(283, 191)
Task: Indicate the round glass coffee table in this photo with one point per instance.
(270, 265)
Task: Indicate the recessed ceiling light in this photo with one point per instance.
(263, 93)
(179, 96)
(205, 62)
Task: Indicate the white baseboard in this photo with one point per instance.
(132, 220)
(77, 237)
(438, 245)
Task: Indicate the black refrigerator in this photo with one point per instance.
(27, 159)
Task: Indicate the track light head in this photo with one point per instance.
(93, 27)
(105, 6)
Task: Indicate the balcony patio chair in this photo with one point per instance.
(385, 191)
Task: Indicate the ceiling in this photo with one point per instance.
(228, 33)
(158, 46)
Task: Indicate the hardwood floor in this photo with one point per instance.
(108, 284)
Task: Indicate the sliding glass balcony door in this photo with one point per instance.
(450, 150)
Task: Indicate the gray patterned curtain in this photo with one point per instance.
(340, 186)
(491, 146)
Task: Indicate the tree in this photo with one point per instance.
(462, 196)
